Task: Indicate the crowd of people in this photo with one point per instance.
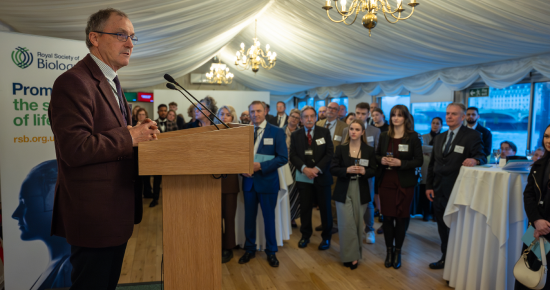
(352, 167)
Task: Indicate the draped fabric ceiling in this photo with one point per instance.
(453, 42)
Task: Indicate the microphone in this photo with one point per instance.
(172, 80)
(172, 87)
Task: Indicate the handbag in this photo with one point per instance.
(523, 273)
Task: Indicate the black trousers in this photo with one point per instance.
(143, 186)
(439, 205)
(310, 194)
(157, 180)
(425, 204)
(96, 268)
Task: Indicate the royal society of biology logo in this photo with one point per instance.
(22, 57)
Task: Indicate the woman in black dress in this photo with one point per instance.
(400, 154)
(536, 199)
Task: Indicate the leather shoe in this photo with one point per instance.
(272, 259)
(319, 228)
(227, 255)
(380, 230)
(389, 257)
(153, 203)
(438, 265)
(325, 245)
(396, 261)
(353, 267)
(246, 257)
(303, 243)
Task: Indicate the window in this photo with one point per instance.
(541, 113)
(310, 102)
(319, 104)
(341, 101)
(423, 114)
(389, 101)
(506, 113)
(301, 104)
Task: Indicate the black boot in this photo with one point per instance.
(396, 261)
(389, 257)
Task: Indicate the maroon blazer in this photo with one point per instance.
(94, 195)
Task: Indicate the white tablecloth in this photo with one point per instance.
(283, 228)
(487, 220)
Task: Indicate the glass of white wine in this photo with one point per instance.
(496, 155)
(529, 154)
(390, 156)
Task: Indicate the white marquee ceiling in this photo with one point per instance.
(177, 37)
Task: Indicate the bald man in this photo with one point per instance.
(322, 113)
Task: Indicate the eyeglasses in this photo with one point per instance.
(120, 36)
(334, 108)
(294, 117)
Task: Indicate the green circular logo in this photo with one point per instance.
(21, 57)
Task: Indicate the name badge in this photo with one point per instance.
(268, 141)
(403, 148)
(364, 162)
(337, 138)
(309, 152)
(459, 149)
(370, 139)
(320, 141)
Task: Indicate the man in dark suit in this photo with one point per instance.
(457, 147)
(262, 187)
(282, 117)
(164, 126)
(95, 207)
(311, 152)
(472, 115)
(270, 118)
(180, 122)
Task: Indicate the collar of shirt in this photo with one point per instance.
(312, 129)
(162, 120)
(262, 125)
(455, 131)
(331, 123)
(109, 73)
(366, 124)
(473, 127)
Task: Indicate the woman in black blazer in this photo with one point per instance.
(353, 164)
(396, 179)
(537, 192)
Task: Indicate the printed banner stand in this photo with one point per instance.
(30, 64)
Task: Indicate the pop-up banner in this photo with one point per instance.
(28, 169)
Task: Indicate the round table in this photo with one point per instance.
(487, 219)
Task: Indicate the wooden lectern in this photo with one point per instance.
(191, 199)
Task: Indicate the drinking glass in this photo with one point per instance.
(389, 155)
(496, 155)
(357, 164)
(529, 154)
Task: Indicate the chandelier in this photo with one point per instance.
(255, 56)
(372, 7)
(219, 72)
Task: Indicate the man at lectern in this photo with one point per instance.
(270, 153)
(95, 206)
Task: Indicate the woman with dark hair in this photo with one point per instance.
(200, 119)
(349, 118)
(508, 148)
(397, 178)
(379, 120)
(354, 162)
(536, 200)
(437, 124)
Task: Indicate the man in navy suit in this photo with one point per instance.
(263, 186)
(472, 115)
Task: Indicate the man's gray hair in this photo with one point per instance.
(460, 105)
(97, 21)
(258, 103)
(305, 108)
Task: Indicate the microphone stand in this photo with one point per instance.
(172, 87)
(172, 80)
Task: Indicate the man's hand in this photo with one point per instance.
(310, 172)
(469, 162)
(542, 228)
(430, 194)
(257, 166)
(145, 132)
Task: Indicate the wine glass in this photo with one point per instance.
(496, 155)
(529, 154)
(389, 155)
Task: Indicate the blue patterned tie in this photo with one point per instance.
(120, 101)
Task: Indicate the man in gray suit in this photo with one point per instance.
(372, 134)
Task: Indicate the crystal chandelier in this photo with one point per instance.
(255, 56)
(219, 72)
(372, 7)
